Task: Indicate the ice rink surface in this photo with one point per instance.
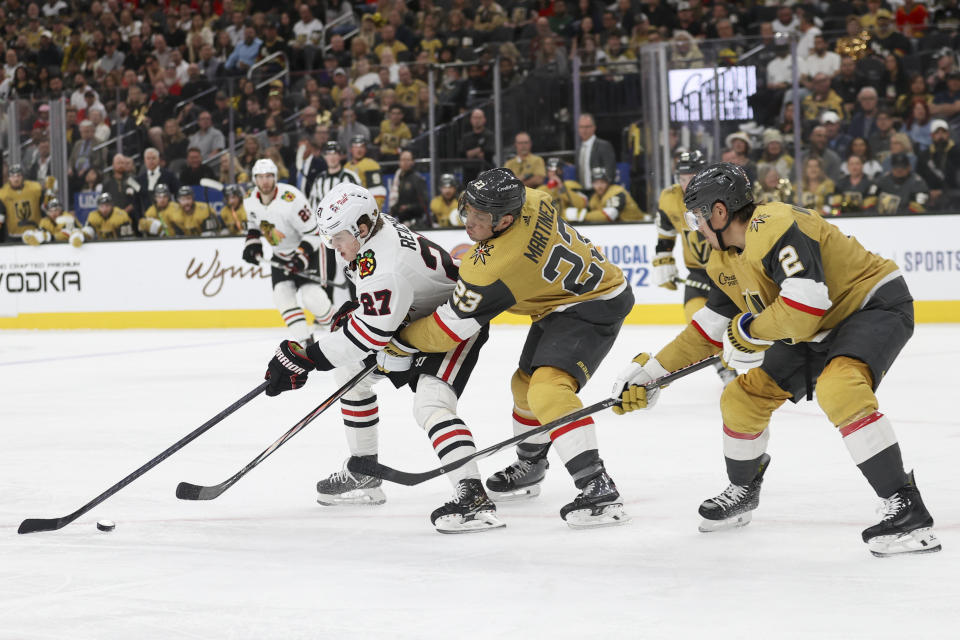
(81, 409)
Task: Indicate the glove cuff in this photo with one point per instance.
(315, 354)
(407, 349)
(663, 258)
(743, 328)
(651, 365)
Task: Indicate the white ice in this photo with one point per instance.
(81, 409)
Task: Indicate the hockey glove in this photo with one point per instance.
(629, 384)
(395, 357)
(740, 349)
(342, 316)
(253, 249)
(288, 368)
(665, 270)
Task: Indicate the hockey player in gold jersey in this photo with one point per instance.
(799, 306)
(367, 169)
(108, 222)
(527, 260)
(696, 251)
(56, 226)
(445, 206)
(193, 219)
(20, 202)
(154, 220)
(566, 194)
(233, 215)
(610, 202)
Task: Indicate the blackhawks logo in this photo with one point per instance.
(366, 263)
(481, 252)
(270, 232)
(757, 221)
(288, 196)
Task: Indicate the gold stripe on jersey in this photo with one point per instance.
(23, 206)
(696, 250)
(441, 210)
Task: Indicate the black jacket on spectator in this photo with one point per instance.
(161, 110)
(146, 195)
(195, 88)
(939, 167)
(124, 196)
(192, 177)
(471, 140)
(412, 202)
(312, 167)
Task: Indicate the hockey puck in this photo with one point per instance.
(105, 525)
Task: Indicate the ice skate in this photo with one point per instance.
(470, 511)
(598, 505)
(733, 507)
(905, 526)
(346, 488)
(520, 480)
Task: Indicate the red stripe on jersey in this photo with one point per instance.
(704, 334)
(814, 311)
(358, 414)
(529, 422)
(856, 425)
(582, 422)
(450, 434)
(740, 436)
(453, 361)
(447, 330)
(363, 334)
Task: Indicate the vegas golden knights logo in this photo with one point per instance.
(754, 302)
(698, 246)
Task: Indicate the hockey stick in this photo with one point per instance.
(31, 525)
(188, 491)
(304, 274)
(377, 470)
(692, 283)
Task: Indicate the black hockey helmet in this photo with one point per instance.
(54, 203)
(497, 192)
(104, 198)
(690, 162)
(233, 190)
(599, 173)
(359, 139)
(161, 190)
(332, 147)
(447, 180)
(721, 182)
(183, 191)
(15, 170)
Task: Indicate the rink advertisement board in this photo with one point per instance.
(204, 283)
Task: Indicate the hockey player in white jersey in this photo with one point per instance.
(281, 215)
(398, 275)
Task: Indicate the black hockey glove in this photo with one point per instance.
(288, 368)
(253, 249)
(342, 316)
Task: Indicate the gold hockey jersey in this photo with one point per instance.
(60, 227)
(615, 205)
(528, 167)
(162, 215)
(115, 225)
(179, 222)
(538, 265)
(22, 206)
(441, 210)
(565, 194)
(798, 274)
(670, 224)
(371, 177)
(235, 221)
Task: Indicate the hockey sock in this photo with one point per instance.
(874, 448)
(552, 395)
(452, 440)
(741, 452)
(360, 419)
(536, 446)
(584, 467)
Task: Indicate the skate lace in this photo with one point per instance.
(343, 475)
(731, 495)
(890, 507)
(462, 492)
(518, 469)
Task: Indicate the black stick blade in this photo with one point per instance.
(32, 525)
(382, 471)
(187, 491)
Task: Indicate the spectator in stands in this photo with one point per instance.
(685, 54)
(239, 175)
(817, 148)
(900, 143)
(861, 148)
(83, 156)
(244, 53)
(880, 140)
(551, 59)
(283, 174)
(388, 40)
(939, 165)
(687, 21)
(946, 104)
(888, 37)
(478, 145)
(858, 193)
(817, 187)
(837, 140)
(393, 135)
(207, 139)
(350, 128)
(771, 186)
(120, 185)
(195, 169)
(250, 153)
(918, 124)
(901, 190)
(864, 121)
(408, 193)
(807, 30)
(780, 69)
(525, 165)
(163, 105)
(916, 92)
(152, 175)
(820, 60)
(774, 154)
(592, 152)
(739, 144)
(822, 98)
(308, 38)
(408, 88)
(310, 162)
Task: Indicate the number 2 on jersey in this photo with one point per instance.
(562, 253)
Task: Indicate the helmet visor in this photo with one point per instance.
(696, 216)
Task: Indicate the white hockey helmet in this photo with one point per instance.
(341, 209)
(264, 165)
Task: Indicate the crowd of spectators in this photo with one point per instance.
(156, 92)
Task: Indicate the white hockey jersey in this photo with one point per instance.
(398, 275)
(286, 222)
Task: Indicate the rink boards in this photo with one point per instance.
(202, 282)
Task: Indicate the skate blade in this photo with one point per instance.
(612, 515)
(523, 493)
(709, 526)
(917, 541)
(355, 498)
(483, 521)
